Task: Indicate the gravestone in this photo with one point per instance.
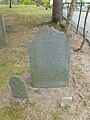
(18, 87)
(8, 28)
(2, 33)
(66, 101)
(15, 2)
(49, 54)
(5, 2)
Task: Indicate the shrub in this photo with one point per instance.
(47, 3)
(28, 2)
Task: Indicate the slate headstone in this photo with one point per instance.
(8, 28)
(15, 2)
(49, 54)
(3, 41)
(5, 2)
(18, 87)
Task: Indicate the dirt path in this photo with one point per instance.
(86, 60)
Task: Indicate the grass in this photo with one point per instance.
(8, 113)
(18, 109)
(24, 20)
(14, 60)
(24, 9)
(88, 96)
(30, 110)
(11, 64)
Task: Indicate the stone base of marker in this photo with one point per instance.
(18, 87)
(66, 101)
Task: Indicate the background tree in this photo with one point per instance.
(57, 16)
(10, 4)
(69, 17)
(57, 11)
(47, 4)
(84, 30)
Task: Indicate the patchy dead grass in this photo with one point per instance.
(44, 104)
(24, 20)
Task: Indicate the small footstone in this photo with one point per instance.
(8, 28)
(66, 101)
(18, 87)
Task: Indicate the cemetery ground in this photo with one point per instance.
(43, 104)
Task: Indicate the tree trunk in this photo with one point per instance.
(10, 5)
(57, 11)
(84, 30)
(69, 17)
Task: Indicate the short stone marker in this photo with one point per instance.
(49, 54)
(2, 33)
(8, 28)
(5, 2)
(18, 87)
(66, 101)
(15, 2)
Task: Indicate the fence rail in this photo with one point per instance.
(79, 6)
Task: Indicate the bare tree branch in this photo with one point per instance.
(69, 17)
(84, 28)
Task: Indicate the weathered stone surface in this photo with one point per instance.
(66, 101)
(5, 2)
(2, 33)
(18, 87)
(15, 2)
(8, 28)
(49, 54)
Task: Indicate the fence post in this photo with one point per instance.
(68, 9)
(79, 18)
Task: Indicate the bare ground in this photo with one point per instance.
(44, 104)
